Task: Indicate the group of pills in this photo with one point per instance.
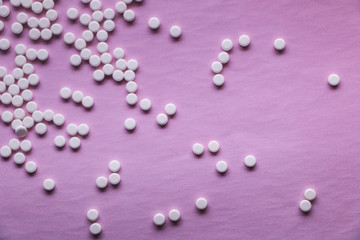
(154, 24)
(77, 96)
(93, 215)
(114, 177)
(163, 118)
(305, 205)
(72, 130)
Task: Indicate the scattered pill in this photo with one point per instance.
(75, 60)
(114, 166)
(130, 124)
(305, 206)
(72, 129)
(59, 119)
(216, 67)
(69, 38)
(77, 96)
(244, 41)
(52, 15)
(6, 98)
(109, 14)
(74, 142)
(95, 229)
(85, 54)
(131, 87)
(48, 4)
(174, 215)
(145, 104)
(42, 55)
(72, 13)
(28, 122)
(37, 7)
(227, 45)
(102, 35)
(92, 215)
(31, 107)
(94, 26)
(109, 25)
(198, 149)
(154, 23)
(21, 131)
(310, 194)
(214, 146)
(118, 53)
(30, 167)
(175, 31)
(23, 83)
(56, 29)
(16, 123)
(85, 19)
(83, 129)
(334, 80)
(98, 75)
(59, 141)
(17, 101)
(201, 204)
(95, 61)
(101, 182)
(4, 44)
(14, 144)
(221, 166)
(4, 11)
(121, 64)
(48, 115)
(40, 128)
(129, 15)
(108, 69)
(250, 161)
(170, 109)
(279, 44)
(120, 7)
(218, 80)
(80, 44)
(223, 57)
(114, 178)
(31, 54)
(95, 5)
(34, 34)
(49, 184)
(98, 16)
(87, 102)
(17, 28)
(106, 58)
(129, 75)
(159, 219)
(131, 99)
(102, 47)
(65, 93)
(25, 146)
(5, 151)
(46, 34)
(19, 158)
(162, 119)
(38, 116)
(132, 64)
(33, 79)
(44, 23)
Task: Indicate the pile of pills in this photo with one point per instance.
(77, 97)
(114, 177)
(305, 205)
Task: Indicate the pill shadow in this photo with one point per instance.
(60, 148)
(177, 223)
(333, 88)
(244, 49)
(202, 212)
(250, 169)
(282, 52)
(76, 150)
(130, 131)
(159, 228)
(176, 39)
(117, 186)
(49, 193)
(99, 236)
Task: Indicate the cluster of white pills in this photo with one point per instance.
(213, 147)
(162, 118)
(93, 215)
(114, 177)
(173, 215)
(305, 205)
(77, 96)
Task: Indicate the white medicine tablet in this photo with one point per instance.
(214, 146)
(95, 5)
(72, 129)
(109, 25)
(19, 158)
(305, 206)
(227, 45)
(129, 15)
(94, 26)
(279, 44)
(16, 123)
(83, 129)
(48, 4)
(21, 131)
(87, 102)
(114, 166)
(131, 98)
(52, 15)
(38, 116)
(310, 194)
(162, 119)
(74, 142)
(65, 93)
(4, 11)
(120, 7)
(216, 67)
(131, 87)
(175, 31)
(75, 60)
(72, 13)
(145, 104)
(14, 144)
(132, 64)
(4, 44)
(59, 141)
(31, 107)
(221, 166)
(174, 215)
(77, 96)
(17, 28)
(218, 80)
(23, 83)
(80, 44)
(198, 149)
(92, 215)
(69, 38)
(154, 23)
(59, 119)
(7, 117)
(250, 161)
(46, 34)
(98, 75)
(28, 122)
(22, 18)
(129, 75)
(121, 64)
(201, 204)
(106, 58)
(109, 13)
(56, 29)
(101, 182)
(42, 55)
(9, 79)
(95, 61)
(40, 128)
(37, 7)
(119, 53)
(159, 219)
(102, 47)
(6, 98)
(102, 35)
(98, 16)
(85, 54)
(27, 95)
(44, 23)
(31, 54)
(108, 69)
(2, 26)
(85, 19)
(244, 41)
(30, 167)
(49, 184)
(13, 89)
(114, 178)
(95, 229)
(223, 57)
(130, 124)
(334, 80)
(25, 146)
(34, 34)
(17, 101)
(20, 49)
(28, 68)
(15, 3)
(5, 151)
(33, 79)
(170, 109)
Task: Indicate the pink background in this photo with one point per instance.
(277, 107)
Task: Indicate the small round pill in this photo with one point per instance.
(223, 57)
(21, 131)
(214, 146)
(6, 98)
(23, 83)
(16, 123)
(154, 23)
(77, 96)
(279, 44)
(87, 102)
(59, 119)
(17, 101)
(20, 49)
(33, 22)
(74, 142)
(52, 15)
(34, 34)
(28, 68)
(28, 122)
(13, 89)
(334, 80)
(30, 167)
(244, 41)
(26, 3)
(305, 206)
(130, 124)
(102, 35)
(27, 95)
(120, 7)
(80, 44)
(72, 129)
(49, 184)
(95, 61)
(159, 219)
(109, 13)
(250, 161)
(106, 58)
(69, 38)
(102, 47)
(85, 19)
(46, 34)
(31, 107)
(98, 16)
(95, 229)
(98, 75)
(37, 7)
(95, 5)
(170, 109)
(92, 215)
(101, 182)
(42, 55)
(114, 166)
(175, 31)
(129, 75)
(216, 67)
(22, 18)
(19, 158)
(65, 93)
(201, 204)
(131, 98)
(15, 3)
(38, 116)
(72, 13)
(145, 104)
(227, 45)
(75, 60)
(56, 29)
(218, 80)
(114, 178)
(2, 26)
(94, 26)
(198, 149)
(221, 166)
(129, 15)
(131, 87)
(14, 144)
(31, 54)
(162, 119)
(174, 215)
(121, 64)
(9, 79)
(33, 79)
(310, 194)
(40, 128)
(83, 129)
(132, 64)
(17, 28)
(48, 4)
(4, 44)
(5, 151)
(109, 25)
(59, 141)
(85, 54)
(44, 23)
(118, 53)
(108, 69)
(4, 11)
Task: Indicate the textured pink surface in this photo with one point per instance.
(277, 107)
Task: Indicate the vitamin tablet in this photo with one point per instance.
(94, 26)
(95, 5)
(80, 44)
(132, 64)
(98, 16)
(118, 75)
(109, 13)
(108, 69)
(30, 167)
(18, 73)
(40, 128)
(128, 1)
(74, 142)
(102, 47)
(4, 11)
(121, 64)
(114, 166)
(279, 44)
(94, 61)
(17, 101)
(310, 194)
(170, 109)
(27, 95)
(114, 178)
(95, 229)
(198, 149)
(120, 7)
(42, 55)
(28, 68)
(58, 119)
(72, 13)
(31, 107)
(56, 29)
(85, 54)
(106, 58)
(38, 116)
(227, 45)
(131, 98)
(88, 35)
(6, 98)
(31, 54)
(17, 28)
(49, 184)
(9, 79)
(305, 206)
(159, 219)
(162, 119)
(52, 15)
(19, 158)
(15, 3)
(21, 131)
(85, 19)
(201, 204)
(13, 89)
(72, 129)
(83, 129)
(223, 57)
(92, 215)
(109, 25)
(20, 49)
(34, 34)
(44, 23)
(37, 7)
(59, 141)
(16, 123)
(174, 215)
(175, 31)
(334, 80)
(87, 102)
(75, 60)
(154, 23)
(214, 146)
(23, 83)
(131, 87)
(4, 44)
(28, 122)
(244, 41)
(26, 3)
(101, 182)
(46, 34)
(14, 144)
(250, 161)
(33, 22)
(129, 15)
(65, 93)
(145, 104)
(129, 75)
(98, 75)
(48, 4)
(216, 67)
(69, 38)
(33, 79)
(221, 166)
(3, 72)
(218, 80)
(49, 115)
(5, 151)
(77, 96)
(119, 53)
(130, 124)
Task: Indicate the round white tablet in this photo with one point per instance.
(20, 131)
(95, 229)
(75, 60)
(216, 67)
(27, 95)
(44, 23)
(95, 61)
(98, 75)
(25, 146)
(59, 141)
(85, 19)
(80, 44)
(72, 129)
(108, 69)
(310, 194)
(49, 184)
(83, 129)
(28, 68)
(59, 119)
(94, 26)
(18, 73)
(40, 128)
(4, 11)
(132, 64)
(65, 93)
(250, 161)
(15, 3)
(4, 44)
(95, 5)
(101, 182)
(221, 166)
(174, 215)
(154, 23)
(17, 28)
(30, 167)
(334, 80)
(244, 41)
(130, 124)
(106, 58)
(102, 35)
(33, 22)
(46, 34)
(162, 119)
(129, 15)
(26, 3)
(305, 206)
(227, 45)
(198, 149)
(109, 13)
(119, 53)
(52, 14)
(42, 55)
(16, 123)
(175, 31)
(201, 204)
(214, 146)
(14, 144)
(74, 142)
(223, 57)
(87, 102)
(56, 29)
(28, 122)
(170, 109)
(85, 54)
(3, 72)
(20, 49)
(9, 79)
(6, 98)
(69, 38)
(98, 16)
(114, 166)
(131, 98)
(77, 96)
(114, 178)
(72, 13)
(31, 54)
(109, 25)
(121, 64)
(120, 7)
(22, 18)
(159, 219)
(218, 80)
(92, 215)
(31, 107)
(17, 101)
(279, 44)
(5, 151)
(38, 116)
(145, 104)
(37, 7)
(19, 158)
(131, 87)
(13, 89)
(34, 34)
(102, 47)
(48, 4)
(23, 83)
(33, 79)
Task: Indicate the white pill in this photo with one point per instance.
(130, 124)
(119, 53)
(216, 67)
(102, 47)
(77, 96)
(106, 58)
(38, 116)
(120, 7)
(23, 83)
(75, 60)
(250, 161)
(109, 13)
(85, 54)
(95, 228)
(94, 26)
(17, 101)
(101, 182)
(175, 31)
(87, 35)
(65, 93)
(98, 16)
(114, 166)
(279, 44)
(334, 80)
(121, 64)
(159, 219)
(6, 98)
(3, 72)
(9, 79)
(17, 28)
(214, 146)
(16, 123)
(223, 57)
(154, 23)
(49, 184)
(56, 29)
(69, 38)
(72, 129)
(19, 158)
(83, 129)
(5, 151)
(102, 35)
(310, 194)
(48, 4)
(27, 95)
(95, 61)
(170, 109)
(218, 80)
(52, 15)
(129, 75)
(174, 215)
(18, 73)
(129, 15)
(201, 204)
(108, 69)
(31, 54)
(162, 119)
(46, 34)
(92, 215)
(30, 167)
(58, 119)
(132, 64)
(98, 75)
(28, 122)
(221, 166)
(305, 206)
(80, 44)
(85, 19)
(33, 79)
(131, 87)
(26, 3)
(198, 149)
(33, 22)
(95, 5)
(4, 11)
(42, 55)
(40, 128)
(145, 104)
(114, 178)
(227, 45)
(118, 75)
(109, 25)
(37, 7)
(4, 44)
(74, 142)
(131, 98)
(31, 107)
(87, 102)
(28, 68)
(244, 41)
(14, 144)
(59, 141)
(72, 13)
(20, 49)
(13, 89)
(15, 3)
